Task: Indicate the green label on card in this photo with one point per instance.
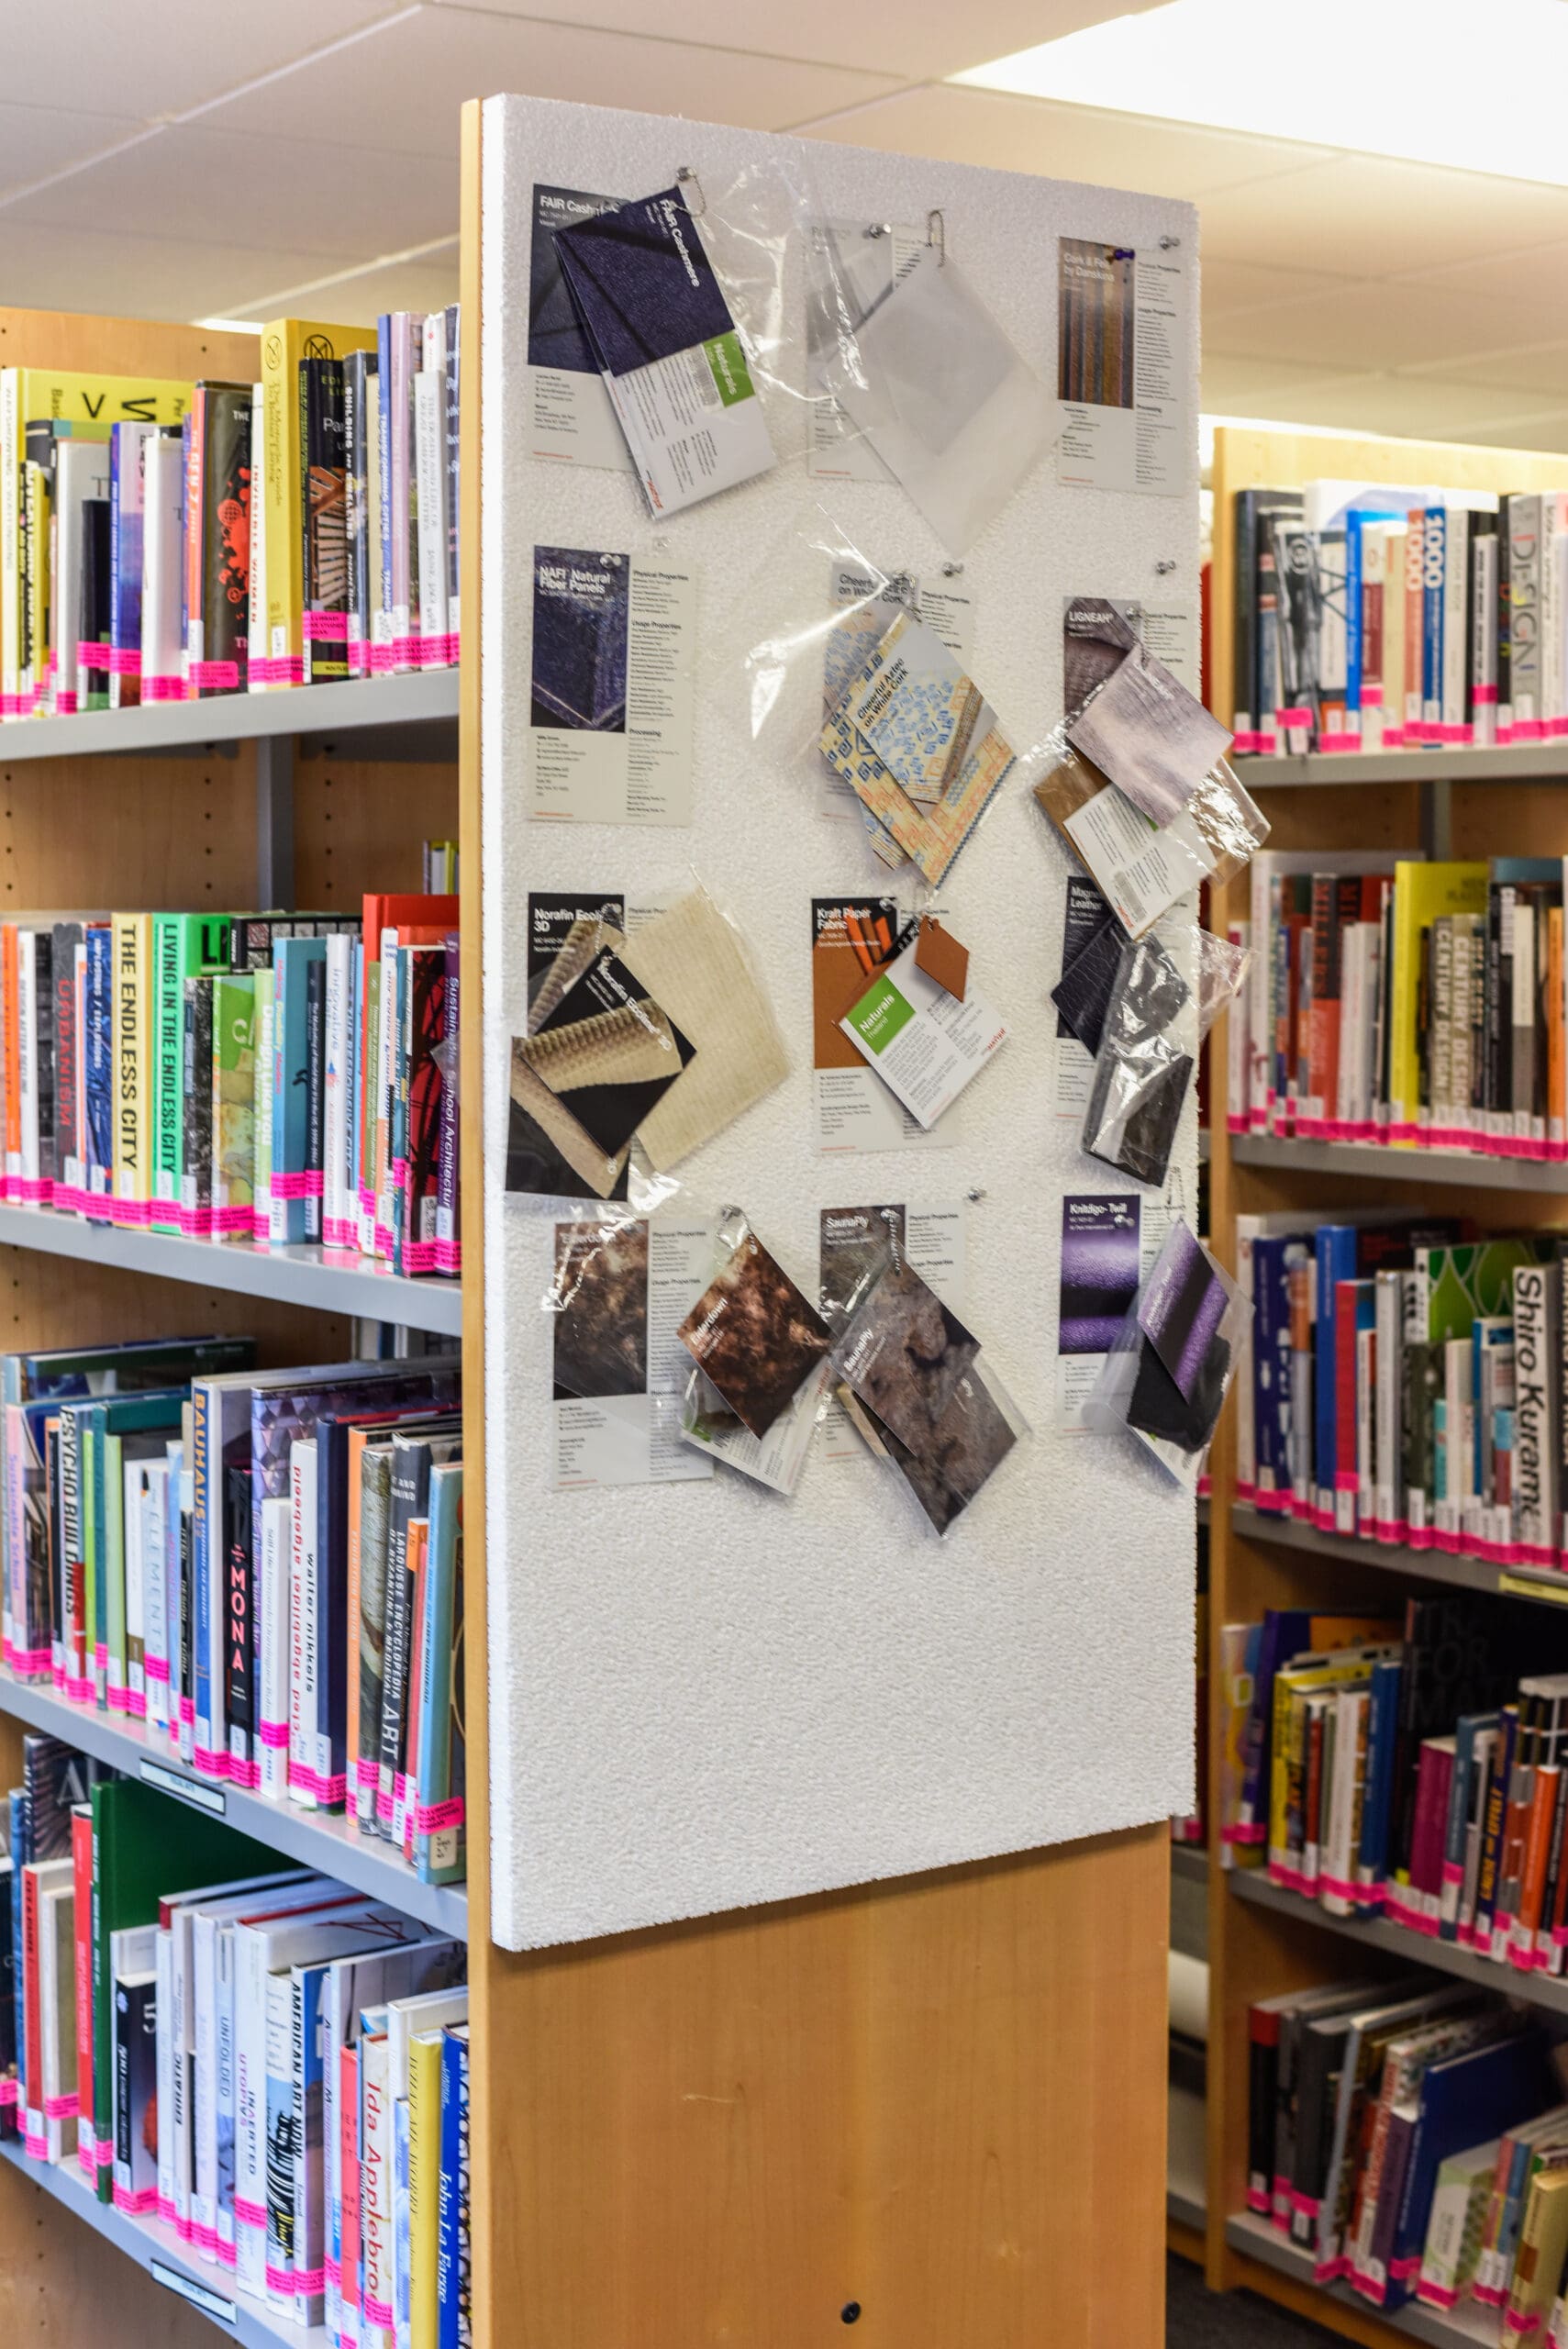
(727, 361)
(881, 1012)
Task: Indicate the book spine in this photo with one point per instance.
(273, 1617)
(448, 1222)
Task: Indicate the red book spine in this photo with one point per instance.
(32, 2029)
(349, 2127)
(81, 1874)
(1346, 1298)
(1433, 1779)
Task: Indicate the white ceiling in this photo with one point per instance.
(239, 158)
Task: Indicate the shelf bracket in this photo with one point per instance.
(274, 821)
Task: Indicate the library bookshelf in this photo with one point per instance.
(930, 2102)
(1460, 803)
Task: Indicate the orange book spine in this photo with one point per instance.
(1537, 1843)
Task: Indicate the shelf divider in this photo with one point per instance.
(359, 715)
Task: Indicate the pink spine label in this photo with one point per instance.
(325, 628)
(274, 1735)
(429, 1817)
(220, 676)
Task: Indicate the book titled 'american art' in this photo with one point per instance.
(661, 333)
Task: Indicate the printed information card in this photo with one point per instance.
(611, 739)
(621, 1291)
(571, 414)
(1123, 340)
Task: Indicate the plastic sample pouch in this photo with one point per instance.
(956, 414)
(1174, 1357)
(1166, 993)
(661, 330)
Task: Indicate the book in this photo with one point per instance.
(285, 344)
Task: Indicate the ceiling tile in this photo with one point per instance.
(1242, 386)
(922, 43)
(1402, 406)
(1232, 285)
(359, 299)
(1527, 370)
(1064, 142)
(144, 277)
(1389, 325)
(161, 56)
(1359, 215)
(324, 198)
(409, 78)
(37, 141)
(1534, 280)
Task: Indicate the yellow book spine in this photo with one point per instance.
(132, 935)
(424, 2184)
(27, 395)
(283, 344)
(1421, 892)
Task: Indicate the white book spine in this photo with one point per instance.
(1366, 1392)
(204, 2194)
(302, 1629)
(161, 1957)
(271, 1603)
(178, 1600)
(339, 1226)
(75, 1169)
(1457, 1427)
(1536, 1414)
(1415, 606)
(155, 1592)
(162, 648)
(376, 2282)
(182, 2041)
(250, 2111)
(429, 444)
(1484, 636)
(228, 2251)
(1525, 1002)
(135, 1591)
(1389, 1311)
(381, 608)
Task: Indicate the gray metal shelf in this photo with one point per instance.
(1466, 2327)
(1444, 1957)
(327, 1283)
(1190, 1860)
(317, 1839)
(356, 716)
(1429, 1565)
(1374, 1159)
(157, 2249)
(1525, 763)
(1185, 2210)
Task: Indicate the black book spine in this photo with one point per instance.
(314, 1095)
(124, 2031)
(93, 617)
(225, 579)
(323, 472)
(1263, 2083)
(44, 1053)
(185, 1686)
(237, 1679)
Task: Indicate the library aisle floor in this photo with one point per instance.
(1196, 2317)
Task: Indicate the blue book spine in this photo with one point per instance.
(1285, 1632)
(1459, 1790)
(1335, 1251)
(1434, 558)
(1466, 2100)
(448, 2245)
(1354, 523)
(1270, 1374)
(1382, 1730)
(99, 1062)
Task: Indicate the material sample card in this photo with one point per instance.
(856, 1245)
(610, 726)
(1153, 738)
(1123, 343)
(862, 259)
(572, 418)
(660, 327)
(621, 1291)
(693, 960)
(850, 938)
(754, 1335)
(602, 1060)
(1101, 1265)
(923, 1044)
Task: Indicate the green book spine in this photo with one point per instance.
(114, 1568)
(234, 1105)
(145, 1846)
(261, 1125)
(183, 946)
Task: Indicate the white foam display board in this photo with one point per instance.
(702, 1696)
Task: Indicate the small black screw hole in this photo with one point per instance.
(851, 2311)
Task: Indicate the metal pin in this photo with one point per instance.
(1168, 565)
(685, 178)
(1169, 244)
(880, 228)
(953, 571)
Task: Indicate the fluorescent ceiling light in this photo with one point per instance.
(228, 326)
(1383, 77)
